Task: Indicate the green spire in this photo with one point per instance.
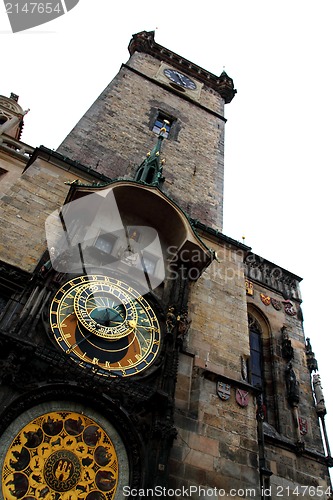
(150, 170)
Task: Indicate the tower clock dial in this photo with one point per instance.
(102, 322)
(180, 79)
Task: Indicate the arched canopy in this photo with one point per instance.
(126, 221)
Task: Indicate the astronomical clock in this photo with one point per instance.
(91, 366)
(102, 322)
(78, 444)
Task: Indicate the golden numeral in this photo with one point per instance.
(95, 361)
(129, 361)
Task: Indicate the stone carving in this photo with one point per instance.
(242, 398)
(184, 324)
(310, 357)
(319, 395)
(289, 308)
(171, 319)
(276, 304)
(244, 371)
(269, 274)
(265, 299)
(292, 386)
(287, 349)
(223, 390)
(249, 288)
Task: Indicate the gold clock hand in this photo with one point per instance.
(148, 327)
(72, 347)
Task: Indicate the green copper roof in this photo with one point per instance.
(150, 170)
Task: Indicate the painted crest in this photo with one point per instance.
(265, 299)
(249, 287)
(276, 304)
(289, 308)
(303, 426)
(223, 390)
(242, 398)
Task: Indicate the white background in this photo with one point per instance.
(278, 154)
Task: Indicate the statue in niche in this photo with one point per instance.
(310, 357)
(171, 319)
(184, 324)
(287, 349)
(292, 386)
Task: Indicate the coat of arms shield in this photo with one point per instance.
(223, 390)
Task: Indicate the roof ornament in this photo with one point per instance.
(150, 170)
(14, 121)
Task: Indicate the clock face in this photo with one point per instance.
(102, 322)
(180, 79)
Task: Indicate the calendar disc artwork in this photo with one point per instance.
(60, 455)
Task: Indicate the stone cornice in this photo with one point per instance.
(145, 42)
(272, 276)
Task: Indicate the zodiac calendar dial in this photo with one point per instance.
(103, 323)
(61, 455)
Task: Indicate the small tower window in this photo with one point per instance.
(105, 243)
(161, 121)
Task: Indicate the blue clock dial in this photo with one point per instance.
(180, 79)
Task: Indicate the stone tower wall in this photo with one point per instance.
(114, 136)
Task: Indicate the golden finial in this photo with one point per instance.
(157, 153)
(163, 161)
(148, 154)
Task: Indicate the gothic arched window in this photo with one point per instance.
(261, 371)
(256, 358)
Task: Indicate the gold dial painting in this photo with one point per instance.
(104, 323)
(62, 454)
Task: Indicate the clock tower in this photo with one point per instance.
(156, 85)
(143, 351)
